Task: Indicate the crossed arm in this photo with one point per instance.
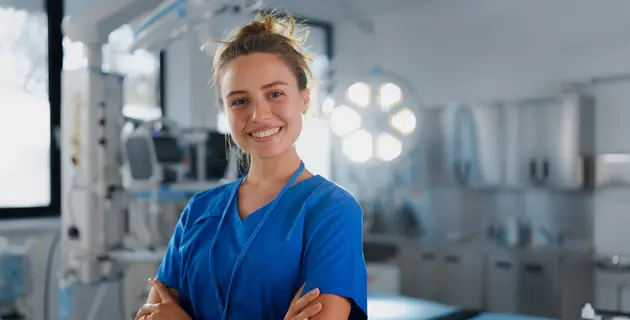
(334, 307)
(333, 263)
(163, 303)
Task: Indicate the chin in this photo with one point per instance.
(269, 153)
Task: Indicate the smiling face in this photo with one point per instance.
(263, 104)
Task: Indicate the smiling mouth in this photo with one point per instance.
(266, 134)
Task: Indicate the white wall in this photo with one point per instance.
(483, 50)
(490, 49)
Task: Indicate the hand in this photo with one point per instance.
(167, 309)
(301, 308)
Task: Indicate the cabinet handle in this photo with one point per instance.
(533, 268)
(532, 169)
(427, 256)
(503, 265)
(545, 169)
(467, 170)
(533, 172)
(452, 259)
(458, 172)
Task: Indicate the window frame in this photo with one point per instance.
(55, 13)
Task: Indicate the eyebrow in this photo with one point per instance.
(268, 85)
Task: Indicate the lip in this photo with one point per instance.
(267, 138)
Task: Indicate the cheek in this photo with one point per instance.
(291, 112)
(236, 121)
(234, 117)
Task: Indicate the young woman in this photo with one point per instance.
(280, 242)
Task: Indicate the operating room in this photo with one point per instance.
(486, 142)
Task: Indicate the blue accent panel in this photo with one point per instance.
(160, 14)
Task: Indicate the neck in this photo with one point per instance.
(263, 171)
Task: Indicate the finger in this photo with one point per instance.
(304, 301)
(298, 294)
(308, 312)
(146, 310)
(162, 290)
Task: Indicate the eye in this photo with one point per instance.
(275, 94)
(237, 102)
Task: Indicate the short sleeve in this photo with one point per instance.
(333, 258)
(169, 271)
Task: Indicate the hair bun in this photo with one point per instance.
(266, 26)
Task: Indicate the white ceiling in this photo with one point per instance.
(331, 10)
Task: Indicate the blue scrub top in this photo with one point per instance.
(312, 235)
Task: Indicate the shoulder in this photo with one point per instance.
(329, 200)
(205, 203)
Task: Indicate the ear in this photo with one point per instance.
(306, 100)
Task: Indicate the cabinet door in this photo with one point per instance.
(451, 164)
(487, 156)
(464, 145)
(462, 280)
(477, 146)
(409, 261)
(538, 287)
(522, 134)
(429, 276)
(563, 152)
(501, 284)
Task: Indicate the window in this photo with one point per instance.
(141, 71)
(29, 107)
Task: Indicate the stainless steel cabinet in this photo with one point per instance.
(548, 141)
(419, 269)
(409, 262)
(428, 275)
(538, 286)
(462, 279)
(523, 282)
(453, 276)
(472, 136)
(570, 141)
(502, 283)
(522, 136)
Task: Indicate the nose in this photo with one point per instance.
(262, 110)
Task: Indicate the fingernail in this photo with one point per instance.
(317, 306)
(150, 280)
(314, 292)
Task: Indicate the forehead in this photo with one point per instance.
(254, 71)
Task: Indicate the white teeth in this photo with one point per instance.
(266, 133)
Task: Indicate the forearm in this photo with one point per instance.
(154, 297)
(334, 307)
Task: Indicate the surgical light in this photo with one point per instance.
(389, 96)
(344, 120)
(388, 147)
(374, 117)
(404, 121)
(358, 146)
(359, 94)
